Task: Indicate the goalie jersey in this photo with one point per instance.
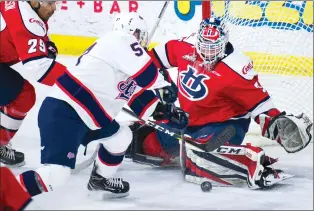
(106, 76)
(231, 91)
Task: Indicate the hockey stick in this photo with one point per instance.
(208, 146)
(85, 164)
(161, 14)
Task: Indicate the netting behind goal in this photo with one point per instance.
(278, 36)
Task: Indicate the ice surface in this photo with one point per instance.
(153, 188)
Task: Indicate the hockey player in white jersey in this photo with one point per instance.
(89, 96)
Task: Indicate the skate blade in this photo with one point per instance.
(13, 166)
(105, 195)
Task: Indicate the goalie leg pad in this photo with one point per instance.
(230, 165)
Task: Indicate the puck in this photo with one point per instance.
(206, 186)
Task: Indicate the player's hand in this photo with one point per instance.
(52, 50)
(168, 94)
(171, 115)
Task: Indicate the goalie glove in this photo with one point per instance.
(293, 133)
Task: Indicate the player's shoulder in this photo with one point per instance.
(190, 39)
(238, 62)
(23, 16)
(117, 37)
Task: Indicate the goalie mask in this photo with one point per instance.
(212, 38)
(134, 24)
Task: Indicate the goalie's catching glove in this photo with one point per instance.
(293, 133)
(174, 117)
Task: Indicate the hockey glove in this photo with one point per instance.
(293, 133)
(168, 94)
(52, 50)
(174, 117)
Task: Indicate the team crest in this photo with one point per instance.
(191, 84)
(126, 89)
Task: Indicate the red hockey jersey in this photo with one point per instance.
(22, 38)
(230, 91)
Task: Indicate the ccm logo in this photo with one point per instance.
(229, 150)
(33, 20)
(247, 68)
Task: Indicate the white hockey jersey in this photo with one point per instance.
(105, 77)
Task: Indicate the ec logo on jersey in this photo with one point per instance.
(192, 85)
(126, 89)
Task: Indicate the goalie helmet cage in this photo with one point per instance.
(278, 37)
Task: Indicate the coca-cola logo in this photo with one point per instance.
(247, 68)
(33, 20)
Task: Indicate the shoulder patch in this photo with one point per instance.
(2, 23)
(9, 5)
(241, 64)
(31, 20)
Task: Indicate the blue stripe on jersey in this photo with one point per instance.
(47, 72)
(147, 76)
(85, 100)
(140, 102)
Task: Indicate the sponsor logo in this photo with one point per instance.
(33, 20)
(228, 150)
(247, 68)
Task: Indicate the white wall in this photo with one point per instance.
(76, 21)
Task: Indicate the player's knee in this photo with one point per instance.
(44, 179)
(120, 141)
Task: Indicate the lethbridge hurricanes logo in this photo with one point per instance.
(192, 85)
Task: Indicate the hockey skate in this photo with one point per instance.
(108, 187)
(11, 157)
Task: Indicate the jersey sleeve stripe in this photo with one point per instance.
(85, 98)
(263, 106)
(52, 74)
(168, 56)
(157, 58)
(162, 55)
(146, 77)
(142, 101)
(33, 59)
(47, 72)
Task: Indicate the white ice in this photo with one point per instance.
(153, 188)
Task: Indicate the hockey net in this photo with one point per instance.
(278, 36)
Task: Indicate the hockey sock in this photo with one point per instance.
(33, 183)
(107, 163)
